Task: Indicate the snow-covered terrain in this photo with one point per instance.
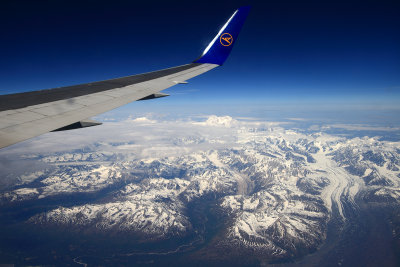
(277, 188)
(150, 207)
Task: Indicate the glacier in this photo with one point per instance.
(276, 188)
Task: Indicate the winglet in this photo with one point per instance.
(220, 47)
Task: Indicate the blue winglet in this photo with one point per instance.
(220, 47)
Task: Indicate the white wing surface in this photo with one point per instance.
(26, 115)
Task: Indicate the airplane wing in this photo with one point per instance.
(29, 114)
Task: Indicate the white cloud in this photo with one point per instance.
(297, 119)
(144, 120)
(359, 127)
(225, 121)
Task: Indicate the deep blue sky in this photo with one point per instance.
(289, 52)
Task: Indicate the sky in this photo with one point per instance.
(289, 53)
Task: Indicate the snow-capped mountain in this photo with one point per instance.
(275, 189)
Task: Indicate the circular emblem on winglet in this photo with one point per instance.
(226, 39)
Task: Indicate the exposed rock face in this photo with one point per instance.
(276, 188)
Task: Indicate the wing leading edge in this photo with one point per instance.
(26, 115)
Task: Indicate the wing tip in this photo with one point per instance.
(220, 47)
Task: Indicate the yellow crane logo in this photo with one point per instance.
(226, 39)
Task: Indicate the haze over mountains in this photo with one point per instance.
(215, 185)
